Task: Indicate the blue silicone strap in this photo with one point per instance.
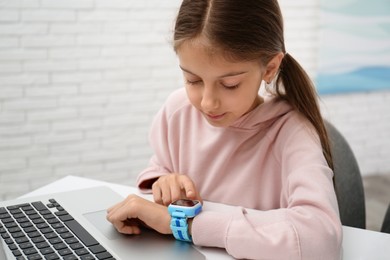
(179, 229)
(179, 225)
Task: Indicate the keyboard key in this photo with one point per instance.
(81, 251)
(30, 229)
(26, 224)
(34, 216)
(42, 245)
(64, 252)
(70, 257)
(39, 205)
(45, 212)
(54, 241)
(60, 246)
(16, 253)
(97, 249)
(71, 240)
(61, 213)
(15, 211)
(17, 235)
(11, 224)
(34, 257)
(42, 225)
(19, 215)
(2, 230)
(5, 215)
(46, 251)
(25, 245)
(81, 233)
(46, 230)
(7, 220)
(53, 256)
(12, 247)
(66, 235)
(22, 220)
(14, 229)
(53, 221)
(76, 246)
(30, 251)
(104, 255)
(65, 218)
(57, 225)
(31, 212)
(49, 216)
(38, 239)
(5, 235)
(61, 230)
(22, 239)
(51, 235)
(33, 234)
(27, 208)
(38, 221)
(8, 241)
(87, 257)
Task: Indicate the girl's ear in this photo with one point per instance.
(273, 67)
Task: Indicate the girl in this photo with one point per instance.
(219, 140)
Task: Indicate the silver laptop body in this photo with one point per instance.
(88, 208)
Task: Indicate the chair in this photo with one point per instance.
(348, 180)
(386, 222)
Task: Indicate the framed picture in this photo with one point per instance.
(354, 50)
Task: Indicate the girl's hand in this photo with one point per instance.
(133, 212)
(172, 187)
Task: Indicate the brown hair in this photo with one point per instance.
(249, 30)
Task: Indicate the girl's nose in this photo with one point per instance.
(210, 101)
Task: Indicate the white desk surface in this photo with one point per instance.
(358, 244)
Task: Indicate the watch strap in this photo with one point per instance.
(179, 227)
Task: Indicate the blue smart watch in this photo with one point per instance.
(180, 211)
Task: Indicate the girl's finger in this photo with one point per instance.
(157, 196)
(189, 188)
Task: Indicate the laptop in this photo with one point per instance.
(73, 225)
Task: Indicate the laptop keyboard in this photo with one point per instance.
(47, 231)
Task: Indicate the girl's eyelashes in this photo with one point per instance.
(231, 87)
(193, 82)
(226, 86)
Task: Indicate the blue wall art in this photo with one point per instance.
(354, 51)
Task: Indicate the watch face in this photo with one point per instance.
(185, 203)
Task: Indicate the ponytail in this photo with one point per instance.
(299, 91)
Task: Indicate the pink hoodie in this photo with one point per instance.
(270, 160)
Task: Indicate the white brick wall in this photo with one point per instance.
(79, 84)
(81, 80)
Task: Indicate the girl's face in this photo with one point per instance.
(221, 90)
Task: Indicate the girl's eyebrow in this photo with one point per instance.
(230, 74)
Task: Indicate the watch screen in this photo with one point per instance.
(185, 203)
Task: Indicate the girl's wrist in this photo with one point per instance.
(189, 223)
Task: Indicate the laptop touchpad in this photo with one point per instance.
(98, 219)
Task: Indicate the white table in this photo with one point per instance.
(358, 244)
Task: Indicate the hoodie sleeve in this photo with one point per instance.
(306, 226)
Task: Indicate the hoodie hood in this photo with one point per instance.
(263, 115)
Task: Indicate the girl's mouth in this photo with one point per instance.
(215, 117)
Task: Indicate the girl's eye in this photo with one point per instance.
(193, 82)
(231, 87)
